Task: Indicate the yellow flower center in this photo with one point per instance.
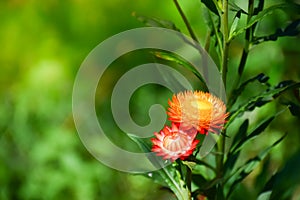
(202, 105)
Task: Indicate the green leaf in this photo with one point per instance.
(284, 182)
(259, 7)
(292, 100)
(234, 24)
(145, 146)
(232, 157)
(241, 139)
(167, 176)
(214, 25)
(220, 192)
(176, 59)
(210, 4)
(201, 162)
(294, 109)
(262, 78)
(191, 165)
(155, 22)
(212, 21)
(264, 196)
(176, 184)
(242, 133)
(258, 130)
(157, 178)
(236, 8)
(200, 181)
(230, 162)
(171, 178)
(266, 12)
(173, 58)
(269, 95)
(250, 165)
(293, 29)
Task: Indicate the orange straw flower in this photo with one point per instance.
(197, 110)
(172, 143)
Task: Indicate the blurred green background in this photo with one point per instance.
(42, 46)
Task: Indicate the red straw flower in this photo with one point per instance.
(198, 110)
(172, 143)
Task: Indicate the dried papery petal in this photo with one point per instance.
(197, 110)
(173, 143)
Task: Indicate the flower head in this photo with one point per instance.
(199, 110)
(172, 143)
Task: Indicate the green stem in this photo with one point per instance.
(223, 142)
(248, 40)
(224, 66)
(225, 63)
(186, 22)
(225, 41)
(220, 156)
(204, 60)
(220, 45)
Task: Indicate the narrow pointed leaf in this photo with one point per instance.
(234, 7)
(231, 161)
(233, 156)
(262, 78)
(259, 7)
(212, 21)
(250, 165)
(293, 29)
(283, 183)
(234, 24)
(176, 59)
(266, 12)
(294, 109)
(155, 22)
(242, 133)
(258, 130)
(264, 174)
(269, 95)
(211, 6)
(199, 180)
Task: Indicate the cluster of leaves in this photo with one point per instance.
(228, 174)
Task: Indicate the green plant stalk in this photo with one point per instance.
(193, 35)
(206, 48)
(225, 41)
(222, 140)
(186, 22)
(248, 40)
(224, 69)
(215, 29)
